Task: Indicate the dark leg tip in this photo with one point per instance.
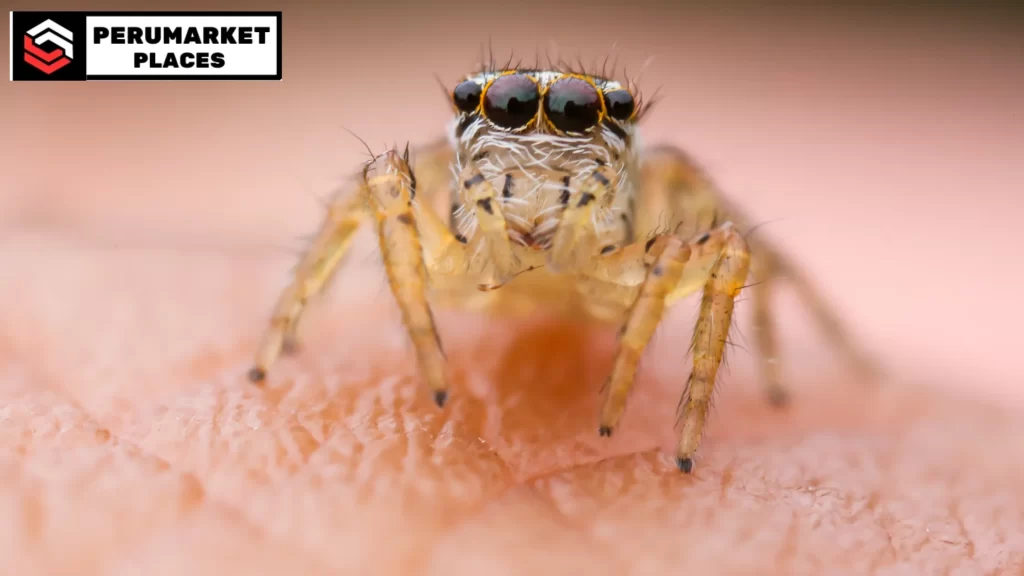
(778, 397)
(605, 431)
(440, 397)
(257, 374)
(684, 464)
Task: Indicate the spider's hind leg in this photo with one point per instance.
(765, 275)
(828, 320)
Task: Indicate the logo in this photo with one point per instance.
(151, 45)
(48, 46)
(49, 62)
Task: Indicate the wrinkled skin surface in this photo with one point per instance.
(122, 453)
(131, 442)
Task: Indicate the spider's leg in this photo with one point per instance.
(320, 261)
(389, 182)
(828, 319)
(709, 339)
(719, 260)
(676, 194)
(764, 278)
(404, 223)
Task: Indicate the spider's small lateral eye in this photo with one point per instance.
(572, 105)
(620, 104)
(467, 96)
(511, 101)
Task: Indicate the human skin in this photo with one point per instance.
(139, 272)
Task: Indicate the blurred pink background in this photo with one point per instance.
(884, 146)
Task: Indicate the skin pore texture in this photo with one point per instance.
(155, 455)
(138, 272)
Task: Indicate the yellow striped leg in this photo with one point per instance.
(318, 264)
(389, 182)
(664, 281)
(709, 339)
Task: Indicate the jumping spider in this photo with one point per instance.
(541, 191)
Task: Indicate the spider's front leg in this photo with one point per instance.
(675, 187)
(667, 280)
(412, 239)
(390, 184)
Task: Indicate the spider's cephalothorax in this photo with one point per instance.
(541, 197)
(535, 143)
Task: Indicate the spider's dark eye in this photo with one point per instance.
(467, 96)
(572, 105)
(620, 104)
(511, 101)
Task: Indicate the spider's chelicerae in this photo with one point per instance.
(541, 196)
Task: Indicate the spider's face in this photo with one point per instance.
(545, 111)
(536, 136)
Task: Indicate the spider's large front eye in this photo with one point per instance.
(511, 101)
(572, 105)
(620, 104)
(467, 96)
